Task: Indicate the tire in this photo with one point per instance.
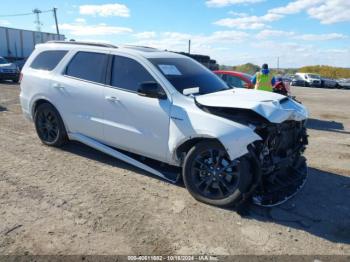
(49, 126)
(15, 80)
(228, 188)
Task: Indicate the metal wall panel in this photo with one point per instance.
(20, 43)
(14, 43)
(3, 42)
(28, 43)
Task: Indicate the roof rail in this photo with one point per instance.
(139, 46)
(83, 43)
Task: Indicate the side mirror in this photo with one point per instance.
(151, 89)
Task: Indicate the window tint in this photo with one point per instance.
(48, 60)
(88, 66)
(128, 74)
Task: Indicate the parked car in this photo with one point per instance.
(329, 83)
(20, 63)
(236, 79)
(344, 83)
(310, 79)
(8, 71)
(298, 81)
(231, 145)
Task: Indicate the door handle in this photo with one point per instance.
(112, 98)
(58, 86)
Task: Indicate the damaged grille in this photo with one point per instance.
(283, 167)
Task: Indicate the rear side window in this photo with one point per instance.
(48, 60)
(128, 74)
(88, 66)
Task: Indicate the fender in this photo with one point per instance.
(187, 125)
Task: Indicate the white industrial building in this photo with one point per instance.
(19, 43)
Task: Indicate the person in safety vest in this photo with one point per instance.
(264, 80)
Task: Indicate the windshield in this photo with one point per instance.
(314, 76)
(184, 73)
(3, 61)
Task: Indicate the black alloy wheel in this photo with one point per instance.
(49, 125)
(213, 178)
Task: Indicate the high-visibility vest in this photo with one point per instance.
(263, 82)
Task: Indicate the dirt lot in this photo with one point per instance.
(80, 201)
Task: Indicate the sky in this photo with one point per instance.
(299, 32)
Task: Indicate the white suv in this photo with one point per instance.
(141, 104)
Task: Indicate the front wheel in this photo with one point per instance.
(49, 125)
(211, 177)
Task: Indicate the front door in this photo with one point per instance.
(132, 122)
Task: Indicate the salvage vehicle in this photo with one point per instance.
(8, 71)
(231, 145)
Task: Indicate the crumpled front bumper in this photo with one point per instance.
(281, 163)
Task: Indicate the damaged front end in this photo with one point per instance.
(282, 165)
(281, 169)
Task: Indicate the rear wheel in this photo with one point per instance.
(49, 125)
(211, 177)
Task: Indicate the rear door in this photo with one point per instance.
(80, 93)
(132, 122)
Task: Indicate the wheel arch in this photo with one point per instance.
(43, 100)
(182, 149)
(39, 102)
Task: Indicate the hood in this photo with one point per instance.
(274, 107)
(8, 66)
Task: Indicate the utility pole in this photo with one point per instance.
(189, 46)
(278, 63)
(55, 15)
(36, 11)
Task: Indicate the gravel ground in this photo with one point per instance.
(76, 200)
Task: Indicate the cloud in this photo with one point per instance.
(145, 35)
(80, 20)
(264, 34)
(267, 34)
(239, 14)
(248, 22)
(82, 29)
(105, 10)
(4, 23)
(295, 7)
(327, 11)
(223, 3)
(320, 37)
(332, 11)
(179, 41)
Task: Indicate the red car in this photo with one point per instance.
(236, 79)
